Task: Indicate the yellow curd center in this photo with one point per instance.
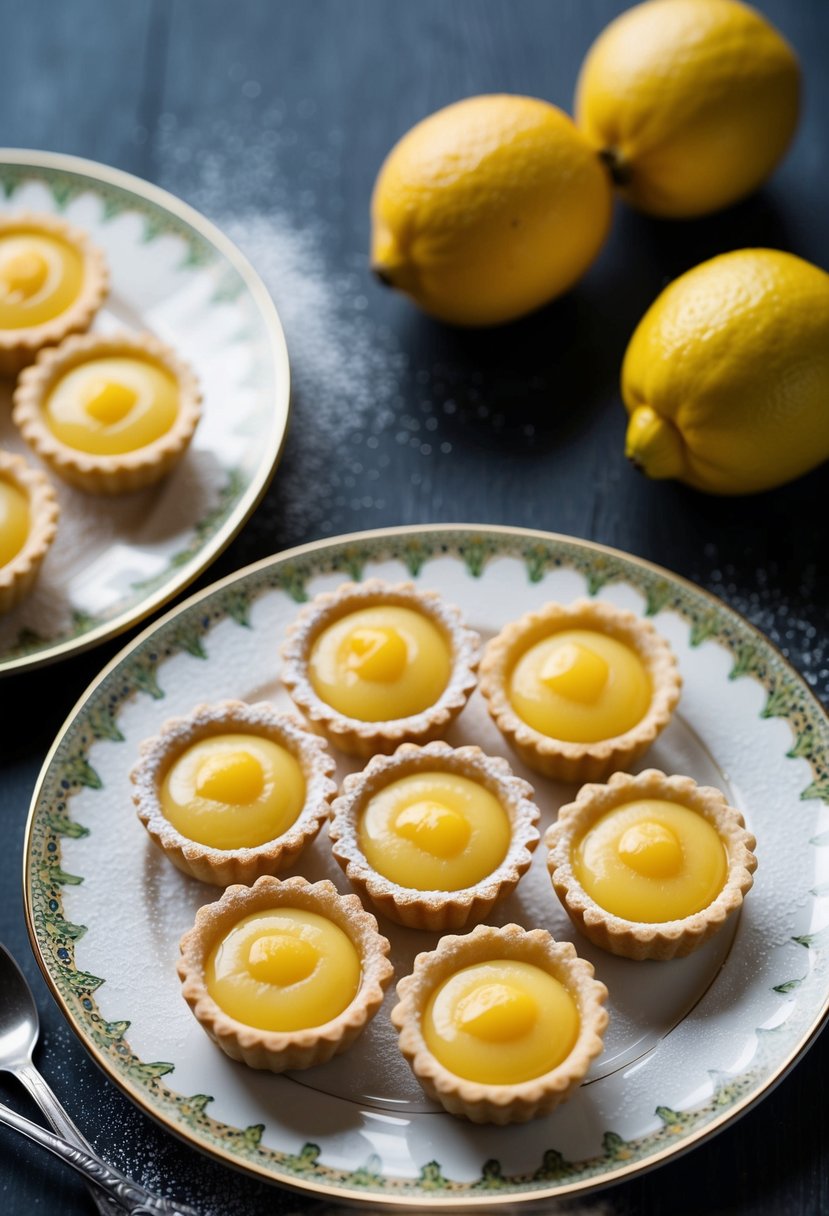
(580, 686)
(112, 405)
(501, 1022)
(233, 791)
(380, 663)
(434, 831)
(40, 277)
(284, 969)
(651, 861)
(15, 520)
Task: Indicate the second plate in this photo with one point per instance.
(176, 275)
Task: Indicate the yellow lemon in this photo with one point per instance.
(489, 208)
(691, 102)
(726, 378)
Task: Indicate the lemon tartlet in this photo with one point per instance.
(580, 690)
(284, 974)
(28, 523)
(52, 282)
(372, 665)
(110, 413)
(650, 866)
(433, 836)
(500, 1025)
(233, 791)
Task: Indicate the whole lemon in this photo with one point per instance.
(691, 102)
(726, 378)
(488, 208)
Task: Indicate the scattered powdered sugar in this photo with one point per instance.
(261, 719)
(797, 625)
(494, 774)
(350, 414)
(346, 370)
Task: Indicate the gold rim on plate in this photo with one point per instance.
(273, 443)
(388, 1198)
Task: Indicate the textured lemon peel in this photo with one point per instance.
(654, 444)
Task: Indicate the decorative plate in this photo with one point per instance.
(691, 1043)
(176, 275)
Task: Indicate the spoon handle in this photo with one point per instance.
(133, 1197)
(60, 1120)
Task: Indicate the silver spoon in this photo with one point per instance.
(132, 1197)
(19, 1029)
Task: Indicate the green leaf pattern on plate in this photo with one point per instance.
(189, 632)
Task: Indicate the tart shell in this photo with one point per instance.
(435, 910)
(18, 347)
(18, 575)
(277, 1051)
(353, 735)
(115, 474)
(223, 866)
(635, 939)
(580, 761)
(483, 1103)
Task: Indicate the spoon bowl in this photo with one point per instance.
(19, 1021)
(19, 1030)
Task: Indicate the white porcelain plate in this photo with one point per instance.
(691, 1043)
(174, 274)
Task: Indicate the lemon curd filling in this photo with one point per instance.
(380, 663)
(651, 861)
(112, 405)
(15, 521)
(285, 969)
(40, 277)
(233, 791)
(580, 686)
(434, 831)
(501, 1022)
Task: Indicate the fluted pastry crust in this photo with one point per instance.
(18, 347)
(353, 735)
(111, 474)
(486, 1103)
(635, 939)
(435, 910)
(18, 575)
(277, 1051)
(224, 866)
(580, 761)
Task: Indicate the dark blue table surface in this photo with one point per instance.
(273, 119)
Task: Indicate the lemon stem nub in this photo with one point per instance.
(654, 444)
(616, 165)
(389, 263)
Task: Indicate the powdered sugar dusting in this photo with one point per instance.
(326, 608)
(346, 371)
(761, 598)
(372, 1083)
(493, 772)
